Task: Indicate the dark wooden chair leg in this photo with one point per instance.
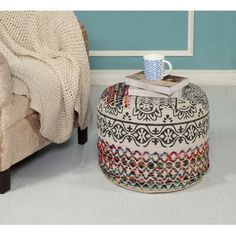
(82, 136)
(5, 181)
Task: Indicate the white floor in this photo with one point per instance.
(63, 184)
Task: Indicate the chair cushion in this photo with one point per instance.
(16, 111)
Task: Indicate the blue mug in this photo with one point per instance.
(154, 66)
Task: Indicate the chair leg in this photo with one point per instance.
(5, 181)
(82, 135)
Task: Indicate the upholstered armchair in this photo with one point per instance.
(19, 125)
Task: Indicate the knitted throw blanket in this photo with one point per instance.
(47, 57)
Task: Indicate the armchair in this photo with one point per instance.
(19, 125)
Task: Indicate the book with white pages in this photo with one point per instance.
(134, 91)
(168, 85)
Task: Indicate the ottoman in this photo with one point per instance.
(151, 144)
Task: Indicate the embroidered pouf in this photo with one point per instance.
(152, 144)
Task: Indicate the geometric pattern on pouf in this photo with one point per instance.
(151, 144)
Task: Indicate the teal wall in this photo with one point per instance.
(214, 37)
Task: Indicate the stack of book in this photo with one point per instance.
(169, 86)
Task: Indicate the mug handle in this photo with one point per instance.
(170, 67)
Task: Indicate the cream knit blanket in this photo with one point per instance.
(47, 57)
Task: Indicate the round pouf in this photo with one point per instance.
(151, 144)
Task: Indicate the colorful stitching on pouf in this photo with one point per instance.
(153, 172)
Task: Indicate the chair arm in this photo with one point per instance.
(6, 83)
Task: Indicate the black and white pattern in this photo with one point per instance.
(150, 109)
(142, 135)
(195, 95)
(156, 122)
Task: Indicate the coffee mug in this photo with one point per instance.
(154, 66)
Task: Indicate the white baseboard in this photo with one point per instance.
(200, 77)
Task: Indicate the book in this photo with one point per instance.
(168, 85)
(147, 93)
